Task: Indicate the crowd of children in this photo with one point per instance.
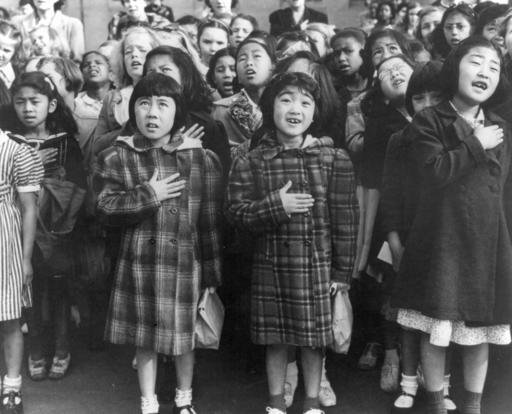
(277, 168)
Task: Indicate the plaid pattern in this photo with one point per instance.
(296, 257)
(169, 250)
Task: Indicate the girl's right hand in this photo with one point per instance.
(296, 202)
(196, 131)
(166, 188)
(490, 136)
(48, 155)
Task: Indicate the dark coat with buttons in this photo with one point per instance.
(295, 257)
(457, 263)
(170, 250)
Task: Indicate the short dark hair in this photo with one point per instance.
(350, 32)
(450, 71)
(227, 51)
(391, 6)
(188, 19)
(425, 78)
(194, 87)
(439, 43)
(488, 14)
(234, 3)
(93, 52)
(156, 84)
(302, 81)
(262, 38)
(249, 18)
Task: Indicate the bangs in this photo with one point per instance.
(426, 78)
(152, 85)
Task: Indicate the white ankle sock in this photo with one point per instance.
(149, 405)
(183, 397)
(409, 384)
(11, 384)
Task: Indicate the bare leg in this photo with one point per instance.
(410, 351)
(475, 360)
(312, 369)
(146, 371)
(184, 370)
(276, 362)
(13, 347)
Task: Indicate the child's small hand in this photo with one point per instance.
(48, 155)
(296, 202)
(489, 136)
(167, 188)
(28, 272)
(194, 132)
(75, 315)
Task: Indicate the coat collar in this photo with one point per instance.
(139, 143)
(270, 148)
(445, 110)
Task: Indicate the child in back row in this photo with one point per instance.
(296, 194)
(164, 191)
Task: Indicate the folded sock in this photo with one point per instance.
(446, 385)
(183, 397)
(435, 402)
(310, 403)
(277, 401)
(11, 384)
(149, 405)
(409, 384)
(472, 402)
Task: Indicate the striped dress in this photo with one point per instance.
(20, 171)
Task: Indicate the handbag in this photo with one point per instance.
(342, 319)
(210, 318)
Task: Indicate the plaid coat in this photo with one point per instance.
(296, 257)
(169, 250)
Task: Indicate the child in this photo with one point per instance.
(190, 25)
(385, 15)
(157, 7)
(489, 22)
(21, 172)
(221, 10)
(457, 24)
(212, 36)
(455, 277)
(428, 19)
(241, 26)
(10, 47)
(47, 42)
(222, 73)
(307, 233)
(398, 206)
(42, 120)
(293, 18)
(140, 191)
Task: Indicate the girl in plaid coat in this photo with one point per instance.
(163, 189)
(296, 194)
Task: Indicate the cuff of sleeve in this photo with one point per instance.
(28, 188)
(277, 210)
(476, 149)
(339, 276)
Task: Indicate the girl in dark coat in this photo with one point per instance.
(455, 277)
(296, 194)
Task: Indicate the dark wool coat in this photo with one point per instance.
(169, 250)
(281, 21)
(457, 263)
(296, 257)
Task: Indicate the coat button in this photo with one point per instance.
(173, 241)
(307, 242)
(495, 171)
(286, 244)
(173, 210)
(152, 241)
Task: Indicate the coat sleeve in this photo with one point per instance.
(116, 204)
(344, 213)
(210, 219)
(276, 27)
(104, 133)
(439, 164)
(392, 201)
(245, 209)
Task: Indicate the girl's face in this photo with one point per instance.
(383, 48)
(347, 52)
(154, 116)
(7, 49)
(165, 65)
(95, 69)
(223, 75)
(32, 108)
(41, 42)
(456, 28)
(58, 79)
(253, 66)
(220, 7)
(319, 41)
(394, 75)
(479, 75)
(426, 99)
(508, 36)
(44, 5)
(135, 8)
(402, 12)
(429, 22)
(384, 13)
(136, 47)
(211, 40)
(492, 30)
(293, 113)
(296, 4)
(412, 16)
(240, 29)
(373, 9)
